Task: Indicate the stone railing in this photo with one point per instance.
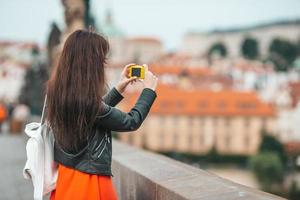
(142, 175)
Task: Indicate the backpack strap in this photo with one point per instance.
(44, 110)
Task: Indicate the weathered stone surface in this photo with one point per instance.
(139, 174)
(12, 160)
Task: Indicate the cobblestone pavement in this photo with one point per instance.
(12, 160)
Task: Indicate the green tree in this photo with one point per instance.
(294, 191)
(268, 169)
(298, 47)
(217, 49)
(271, 144)
(282, 53)
(213, 156)
(249, 48)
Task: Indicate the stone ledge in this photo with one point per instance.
(140, 174)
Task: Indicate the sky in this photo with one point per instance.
(168, 20)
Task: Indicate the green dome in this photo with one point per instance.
(297, 63)
(109, 28)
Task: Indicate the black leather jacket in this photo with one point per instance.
(95, 156)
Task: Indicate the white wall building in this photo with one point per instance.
(198, 44)
(11, 80)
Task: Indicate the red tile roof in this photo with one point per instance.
(174, 101)
(169, 69)
(292, 147)
(144, 40)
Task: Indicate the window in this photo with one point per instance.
(190, 121)
(247, 122)
(246, 140)
(175, 120)
(162, 140)
(201, 121)
(162, 120)
(175, 140)
(202, 131)
(222, 104)
(227, 136)
(228, 140)
(164, 104)
(202, 104)
(179, 104)
(227, 122)
(190, 139)
(264, 123)
(175, 132)
(215, 121)
(246, 105)
(201, 138)
(202, 124)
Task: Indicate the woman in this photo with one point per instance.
(82, 118)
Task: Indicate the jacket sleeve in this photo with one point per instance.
(116, 120)
(113, 97)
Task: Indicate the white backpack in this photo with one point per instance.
(40, 166)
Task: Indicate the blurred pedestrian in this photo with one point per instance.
(10, 108)
(3, 115)
(19, 115)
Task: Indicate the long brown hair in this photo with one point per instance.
(75, 88)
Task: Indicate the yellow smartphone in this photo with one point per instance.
(137, 70)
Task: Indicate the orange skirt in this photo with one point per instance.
(75, 185)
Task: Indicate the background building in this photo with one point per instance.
(199, 43)
(195, 121)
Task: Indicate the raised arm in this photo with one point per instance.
(113, 97)
(116, 120)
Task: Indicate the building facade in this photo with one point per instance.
(197, 121)
(198, 44)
